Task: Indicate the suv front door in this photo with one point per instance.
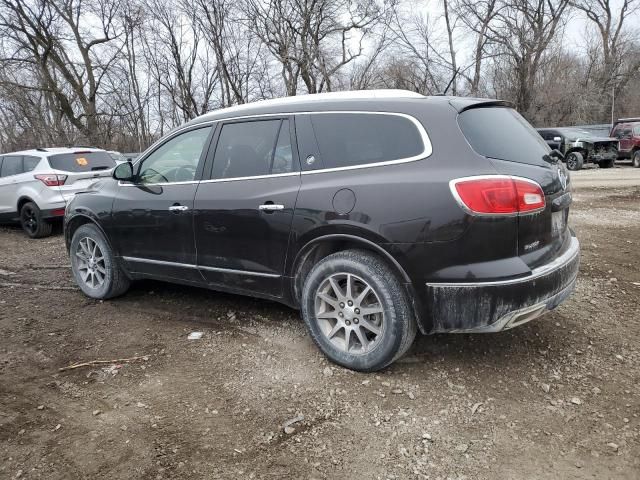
(244, 211)
(152, 217)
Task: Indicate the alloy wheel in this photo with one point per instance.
(349, 313)
(29, 219)
(91, 265)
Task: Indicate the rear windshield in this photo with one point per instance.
(82, 161)
(504, 134)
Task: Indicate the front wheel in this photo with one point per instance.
(94, 266)
(636, 159)
(356, 311)
(574, 161)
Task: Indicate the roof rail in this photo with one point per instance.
(631, 119)
(41, 149)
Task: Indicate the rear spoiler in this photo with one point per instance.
(462, 104)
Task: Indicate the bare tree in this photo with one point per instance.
(71, 60)
(613, 64)
(522, 31)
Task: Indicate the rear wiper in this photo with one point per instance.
(99, 168)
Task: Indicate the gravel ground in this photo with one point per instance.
(557, 398)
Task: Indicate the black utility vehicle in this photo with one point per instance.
(580, 147)
(377, 214)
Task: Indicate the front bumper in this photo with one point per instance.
(500, 305)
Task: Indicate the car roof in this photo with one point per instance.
(367, 100)
(49, 151)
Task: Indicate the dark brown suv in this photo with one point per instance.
(377, 214)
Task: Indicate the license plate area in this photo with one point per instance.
(558, 222)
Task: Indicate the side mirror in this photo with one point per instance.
(557, 139)
(555, 153)
(124, 172)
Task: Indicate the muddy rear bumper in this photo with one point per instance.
(503, 304)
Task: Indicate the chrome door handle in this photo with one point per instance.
(270, 207)
(178, 208)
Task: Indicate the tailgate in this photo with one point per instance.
(81, 168)
(515, 148)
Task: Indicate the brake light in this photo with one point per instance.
(51, 179)
(498, 195)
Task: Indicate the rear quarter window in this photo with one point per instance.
(502, 133)
(351, 139)
(82, 161)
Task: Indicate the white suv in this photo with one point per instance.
(36, 185)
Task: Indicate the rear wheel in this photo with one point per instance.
(574, 161)
(356, 311)
(94, 266)
(32, 222)
(636, 159)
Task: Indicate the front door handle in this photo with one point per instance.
(270, 207)
(178, 208)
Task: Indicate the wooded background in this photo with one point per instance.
(118, 74)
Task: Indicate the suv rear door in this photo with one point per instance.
(244, 210)
(514, 148)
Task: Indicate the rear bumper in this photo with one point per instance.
(503, 304)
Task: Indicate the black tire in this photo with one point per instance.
(399, 326)
(115, 282)
(32, 222)
(607, 164)
(574, 160)
(636, 159)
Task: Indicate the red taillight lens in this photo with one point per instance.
(51, 179)
(498, 195)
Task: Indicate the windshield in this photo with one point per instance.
(502, 133)
(82, 161)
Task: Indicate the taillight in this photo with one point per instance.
(51, 179)
(498, 195)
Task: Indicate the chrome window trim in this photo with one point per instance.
(200, 267)
(567, 257)
(424, 136)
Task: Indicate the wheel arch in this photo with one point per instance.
(24, 199)
(76, 222)
(320, 247)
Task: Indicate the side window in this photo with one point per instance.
(349, 139)
(636, 130)
(626, 132)
(283, 156)
(249, 149)
(12, 165)
(30, 163)
(176, 160)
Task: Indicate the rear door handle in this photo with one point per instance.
(178, 208)
(270, 207)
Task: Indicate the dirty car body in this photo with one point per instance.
(259, 235)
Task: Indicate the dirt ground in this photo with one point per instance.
(557, 398)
